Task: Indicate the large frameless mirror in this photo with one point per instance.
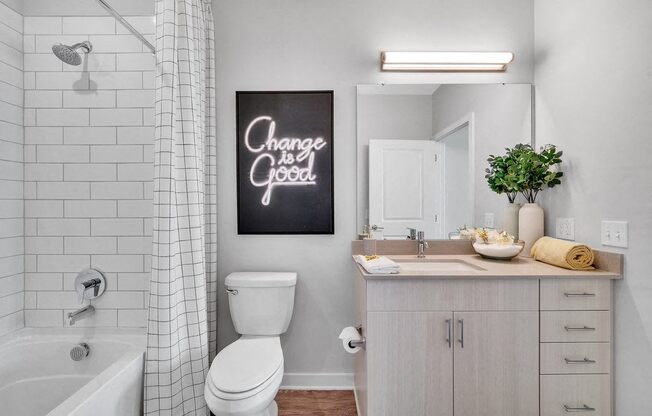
(422, 153)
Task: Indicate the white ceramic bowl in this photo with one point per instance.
(499, 251)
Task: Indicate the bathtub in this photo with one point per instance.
(38, 377)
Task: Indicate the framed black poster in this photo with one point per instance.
(285, 162)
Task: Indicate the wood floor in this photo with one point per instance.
(315, 403)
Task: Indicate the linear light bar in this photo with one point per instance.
(445, 61)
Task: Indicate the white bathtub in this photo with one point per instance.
(38, 377)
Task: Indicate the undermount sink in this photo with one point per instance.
(434, 266)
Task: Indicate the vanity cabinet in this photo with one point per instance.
(444, 348)
(463, 347)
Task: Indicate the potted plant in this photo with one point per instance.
(503, 179)
(535, 171)
(526, 171)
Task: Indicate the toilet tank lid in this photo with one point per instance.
(261, 279)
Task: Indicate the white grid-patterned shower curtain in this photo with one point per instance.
(181, 333)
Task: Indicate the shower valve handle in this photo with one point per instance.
(89, 284)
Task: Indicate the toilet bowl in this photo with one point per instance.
(245, 376)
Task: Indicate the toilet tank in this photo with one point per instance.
(261, 303)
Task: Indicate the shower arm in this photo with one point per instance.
(127, 25)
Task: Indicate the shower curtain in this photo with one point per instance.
(181, 332)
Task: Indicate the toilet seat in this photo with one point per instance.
(245, 377)
(260, 401)
(245, 367)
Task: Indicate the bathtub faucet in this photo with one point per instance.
(80, 314)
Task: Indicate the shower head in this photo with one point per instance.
(69, 54)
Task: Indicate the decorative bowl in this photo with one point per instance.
(499, 251)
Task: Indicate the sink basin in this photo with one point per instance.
(436, 266)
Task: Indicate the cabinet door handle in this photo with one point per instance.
(578, 328)
(578, 294)
(584, 361)
(461, 340)
(449, 336)
(583, 408)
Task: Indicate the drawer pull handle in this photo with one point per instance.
(584, 408)
(449, 335)
(584, 361)
(579, 328)
(578, 294)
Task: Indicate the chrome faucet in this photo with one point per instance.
(80, 314)
(88, 286)
(422, 244)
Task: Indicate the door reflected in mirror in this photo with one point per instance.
(422, 153)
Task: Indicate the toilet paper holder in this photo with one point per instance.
(359, 343)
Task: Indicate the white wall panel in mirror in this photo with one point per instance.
(422, 153)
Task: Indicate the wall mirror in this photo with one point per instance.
(422, 152)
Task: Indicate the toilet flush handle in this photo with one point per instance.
(232, 291)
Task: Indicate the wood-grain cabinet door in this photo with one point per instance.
(496, 364)
(410, 364)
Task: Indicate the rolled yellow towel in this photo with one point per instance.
(562, 253)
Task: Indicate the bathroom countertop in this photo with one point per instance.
(517, 268)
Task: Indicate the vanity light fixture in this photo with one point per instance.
(445, 61)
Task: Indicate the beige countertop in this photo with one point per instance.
(517, 268)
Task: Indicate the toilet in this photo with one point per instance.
(245, 376)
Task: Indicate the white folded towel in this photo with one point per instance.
(377, 264)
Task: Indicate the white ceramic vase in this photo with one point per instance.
(530, 226)
(510, 219)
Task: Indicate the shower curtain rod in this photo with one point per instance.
(127, 25)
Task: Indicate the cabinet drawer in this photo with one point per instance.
(575, 294)
(575, 326)
(576, 358)
(452, 295)
(576, 394)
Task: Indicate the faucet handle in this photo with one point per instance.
(85, 287)
(89, 284)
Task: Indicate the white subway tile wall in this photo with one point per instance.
(12, 280)
(88, 169)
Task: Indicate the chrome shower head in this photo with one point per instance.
(69, 54)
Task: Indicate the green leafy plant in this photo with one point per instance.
(502, 175)
(523, 169)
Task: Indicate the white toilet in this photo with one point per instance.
(246, 375)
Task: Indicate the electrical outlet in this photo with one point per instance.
(489, 220)
(614, 233)
(566, 228)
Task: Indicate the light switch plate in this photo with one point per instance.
(489, 220)
(566, 228)
(614, 233)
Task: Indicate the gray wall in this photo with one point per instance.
(594, 100)
(303, 44)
